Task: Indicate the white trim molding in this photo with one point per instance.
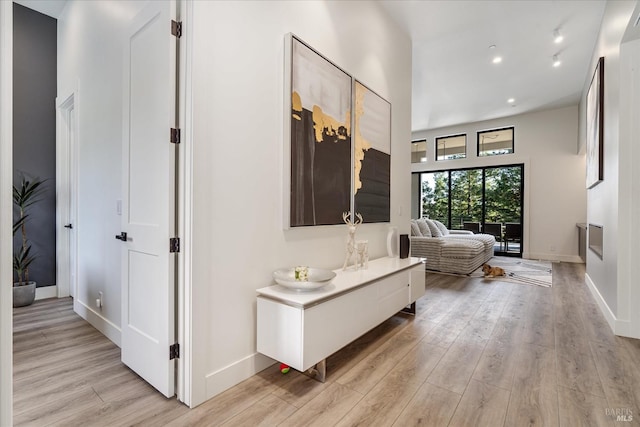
(46, 292)
(6, 212)
(184, 319)
(620, 327)
(104, 325)
(227, 377)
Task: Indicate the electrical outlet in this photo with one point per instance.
(552, 248)
(99, 301)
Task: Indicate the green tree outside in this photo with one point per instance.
(502, 195)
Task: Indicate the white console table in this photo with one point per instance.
(303, 328)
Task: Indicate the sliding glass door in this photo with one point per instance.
(483, 200)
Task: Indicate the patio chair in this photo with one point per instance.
(495, 229)
(471, 226)
(512, 232)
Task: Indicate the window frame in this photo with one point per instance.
(416, 141)
(513, 140)
(436, 139)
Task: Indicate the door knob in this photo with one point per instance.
(122, 236)
(69, 226)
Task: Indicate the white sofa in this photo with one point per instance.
(449, 251)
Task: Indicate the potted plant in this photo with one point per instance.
(24, 196)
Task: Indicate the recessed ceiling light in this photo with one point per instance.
(557, 37)
(511, 100)
(497, 59)
(556, 61)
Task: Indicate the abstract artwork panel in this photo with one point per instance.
(320, 139)
(595, 127)
(372, 155)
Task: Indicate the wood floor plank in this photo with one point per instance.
(344, 360)
(581, 409)
(51, 387)
(230, 403)
(575, 363)
(534, 397)
(481, 405)
(299, 390)
(366, 374)
(621, 382)
(539, 322)
(456, 367)
(121, 412)
(269, 411)
(58, 409)
(431, 406)
(326, 409)
(497, 365)
(382, 405)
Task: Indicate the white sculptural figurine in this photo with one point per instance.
(362, 249)
(351, 242)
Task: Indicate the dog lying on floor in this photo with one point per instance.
(489, 271)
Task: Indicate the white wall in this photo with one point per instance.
(238, 102)
(90, 60)
(614, 203)
(555, 196)
(6, 212)
(605, 205)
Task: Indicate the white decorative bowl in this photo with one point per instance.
(316, 278)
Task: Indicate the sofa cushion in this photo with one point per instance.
(424, 228)
(461, 249)
(443, 228)
(415, 230)
(435, 231)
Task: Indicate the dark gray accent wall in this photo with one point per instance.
(34, 129)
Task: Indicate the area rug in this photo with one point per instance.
(518, 270)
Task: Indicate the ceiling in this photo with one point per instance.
(454, 79)
(52, 8)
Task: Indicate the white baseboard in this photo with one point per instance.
(99, 322)
(553, 257)
(619, 327)
(604, 307)
(47, 292)
(227, 377)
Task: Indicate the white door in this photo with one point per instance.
(66, 182)
(148, 205)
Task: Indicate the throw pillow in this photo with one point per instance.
(435, 231)
(424, 228)
(443, 229)
(415, 230)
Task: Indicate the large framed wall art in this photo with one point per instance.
(595, 127)
(320, 138)
(326, 173)
(372, 155)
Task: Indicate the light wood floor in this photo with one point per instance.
(477, 354)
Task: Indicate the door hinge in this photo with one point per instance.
(174, 351)
(174, 136)
(174, 244)
(176, 28)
